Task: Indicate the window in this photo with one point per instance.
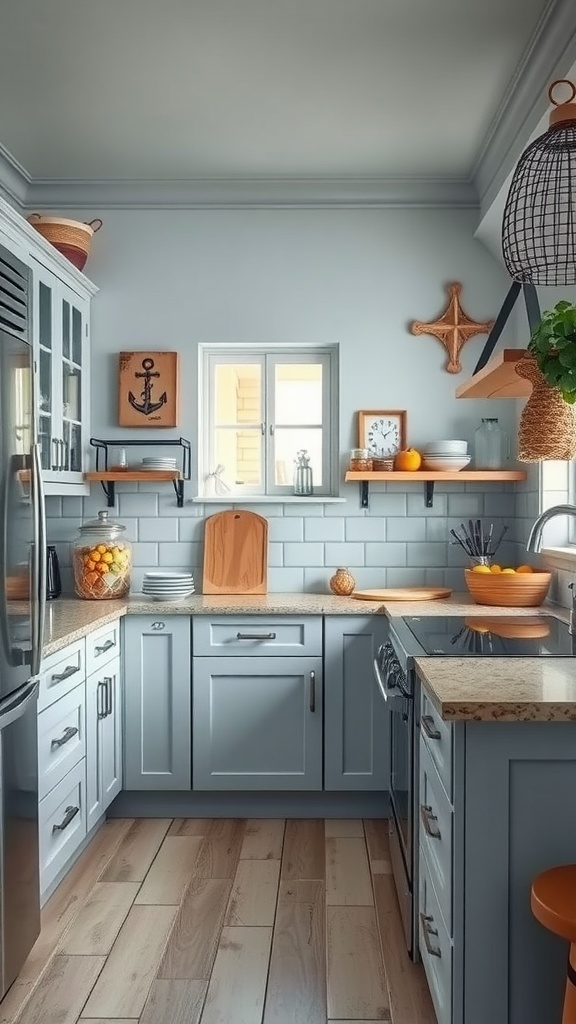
(262, 405)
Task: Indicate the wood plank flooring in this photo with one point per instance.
(224, 921)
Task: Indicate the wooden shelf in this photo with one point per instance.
(135, 474)
(428, 477)
(498, 379)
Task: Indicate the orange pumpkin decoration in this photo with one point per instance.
(408, 460)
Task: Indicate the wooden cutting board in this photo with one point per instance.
(403, 594)
(235, 553)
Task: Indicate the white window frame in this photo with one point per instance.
(269, 356)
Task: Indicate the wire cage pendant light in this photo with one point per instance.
(539, 222)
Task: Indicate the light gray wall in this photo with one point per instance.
(173, 279)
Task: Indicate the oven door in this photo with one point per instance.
(393, 686)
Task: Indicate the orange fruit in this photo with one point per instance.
(509, 571)
(408, 461)
(481, 568)
(524, 568)
(495, 568)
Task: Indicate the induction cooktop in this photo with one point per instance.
(528, 636)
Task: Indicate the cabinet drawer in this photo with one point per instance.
(435, 829)
(61, 672)
(435, 946)
(102, 645)
(62, 822)
(61, 738)
(253, 635)
(437, 735)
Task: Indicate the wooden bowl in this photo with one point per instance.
(521, 590)
(528, 628)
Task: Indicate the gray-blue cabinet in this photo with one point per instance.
(157, 702)
(257, 723)
(356, 743)
(103, 740)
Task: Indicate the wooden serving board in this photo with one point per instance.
(235, 553)
(403, 594)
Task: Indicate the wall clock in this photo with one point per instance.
(382, 431)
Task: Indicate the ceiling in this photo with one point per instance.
(141, 90)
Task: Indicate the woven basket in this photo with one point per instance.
(70, 237)
(547, 424)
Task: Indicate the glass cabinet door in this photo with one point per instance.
(44, 299)
(73, 327)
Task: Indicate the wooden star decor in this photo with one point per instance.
(453, 328)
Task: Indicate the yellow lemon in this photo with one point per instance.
(480, 568)
(495, 568)
(524, 568)
(513, 571)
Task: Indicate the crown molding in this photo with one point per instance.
(551, 54)
(14, 179)
(252, 193)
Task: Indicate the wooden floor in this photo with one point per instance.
(224, 921)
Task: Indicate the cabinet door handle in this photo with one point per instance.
(69, 815)
(100, 707)
(55, 453)
(427, 723)
(426, 920)
(69, 732)
(427, 815)
(312, 691)
(108, 687)
(104, 647)
(63, 455)
(255, 636)
(70, 670)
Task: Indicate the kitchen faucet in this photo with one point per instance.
(535, 538)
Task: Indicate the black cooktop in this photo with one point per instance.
(494, 635)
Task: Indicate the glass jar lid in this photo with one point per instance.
(103, 525)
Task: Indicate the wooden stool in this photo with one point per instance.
(553, 903)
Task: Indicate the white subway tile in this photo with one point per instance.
(62, 530)
(385, 554)
(349, 507)
(276, 554)
(438, 529)
(64, 552)
(427, 554)
(316, 581)
(434, 577)
(416, 505)
(364, 529)
(284, 580)
(392, 504)
(286, 529)
(405, 578)
(314, 509)
(138, 504)
(343, 554)
(499, 504)
(324, 529)
(53, 506)
(191, 529)
(465, 505)
(189, 510)
(303, 554)
(158, 529)
(407, 528)
(182, 556)
(454, 579)
(370, 578)
(94, 502)
(72, 507)
(145, 554)
(262, 509)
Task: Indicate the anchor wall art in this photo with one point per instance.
(148, 389)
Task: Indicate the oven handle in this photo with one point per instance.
(388, 689)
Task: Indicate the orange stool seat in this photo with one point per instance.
(553, 902)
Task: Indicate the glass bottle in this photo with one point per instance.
(101, 559)
(490, 445)
(303, 474)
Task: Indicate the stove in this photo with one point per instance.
(496, 636)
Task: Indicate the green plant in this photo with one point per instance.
(553, 344)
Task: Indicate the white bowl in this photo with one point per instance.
(442, 464)
(446, 448)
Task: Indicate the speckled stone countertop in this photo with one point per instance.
(501, 689)
(69, 619)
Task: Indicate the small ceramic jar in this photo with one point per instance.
(342, 582)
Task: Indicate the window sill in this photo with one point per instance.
(560, 558)
(267, 499)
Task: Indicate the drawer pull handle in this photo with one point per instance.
(69, 816)
(70, 670)
(255, 636)
(69, 732)
(105, 647)
(312, 692)
(427, 930)
(428, 817)
(427, 723)
(108, 690)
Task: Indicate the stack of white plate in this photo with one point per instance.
(158, 462)
(162, 585)
(446, 456)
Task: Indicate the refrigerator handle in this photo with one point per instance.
(14, 707)
(39, 561)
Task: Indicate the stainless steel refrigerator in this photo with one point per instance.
(22, 596)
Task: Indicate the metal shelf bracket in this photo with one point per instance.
(429, 493)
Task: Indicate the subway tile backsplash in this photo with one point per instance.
(396, 542)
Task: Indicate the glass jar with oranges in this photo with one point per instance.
(101, 560)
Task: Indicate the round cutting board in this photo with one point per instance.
(403, 594)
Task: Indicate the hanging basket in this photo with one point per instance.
(72, 238)
(547, 424)
(539, 222)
